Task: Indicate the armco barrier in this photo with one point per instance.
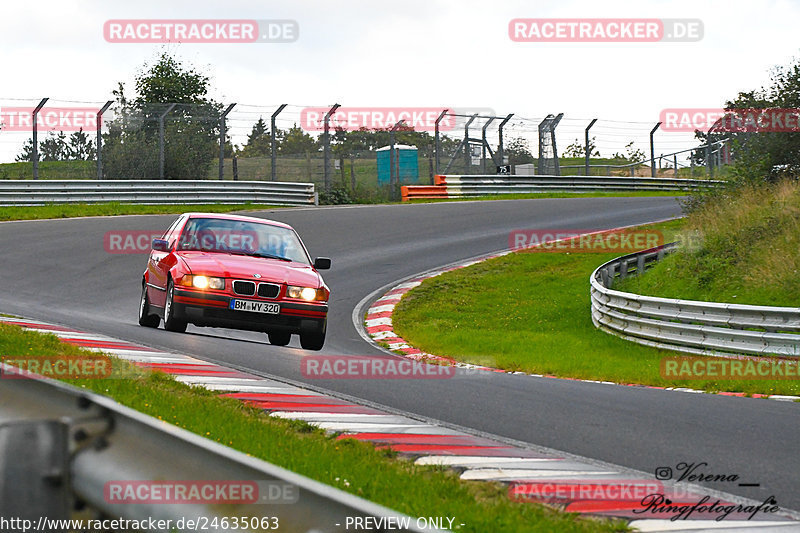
(447, 186)
(40, 192)
(58, 442)
(701, 328)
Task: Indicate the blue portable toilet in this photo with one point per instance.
(408, 164)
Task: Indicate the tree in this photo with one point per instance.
(81, 147)
(578, 149)
(296, 141)
(259, 141)
(518, 151)
(191, 128)
(631, 155)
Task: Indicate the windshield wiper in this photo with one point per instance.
(259, 254)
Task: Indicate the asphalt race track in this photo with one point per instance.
(59, 271)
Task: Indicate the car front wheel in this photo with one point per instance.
(279, 338)
(312, 341)
(170, 322)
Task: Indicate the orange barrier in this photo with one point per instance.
(411, 192)
(439, 179)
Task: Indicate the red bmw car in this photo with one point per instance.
(235, 272)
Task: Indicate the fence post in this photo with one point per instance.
(586, 172)
(161, 141)
(675, 163)
(222, 140)
(483, 146)
(653, 151)
(326, 147)
(500, 153)
(437, 144)
(273, 144)
(394, 163)
(36, 138)
(467, 154)
(99, 142)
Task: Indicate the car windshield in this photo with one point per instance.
(242, 238)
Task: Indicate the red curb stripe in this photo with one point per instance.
(445, 449)
(31, 325)
(378, 329)
(382, 314)
(315, 408)
(83, 343)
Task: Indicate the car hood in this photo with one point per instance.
(244, 267)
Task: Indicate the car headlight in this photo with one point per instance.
(205, 282)
(306, 293)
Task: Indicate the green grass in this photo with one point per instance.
(50, 170)
(114, 208)
(749, 252)
(353, 466)
(530, 312)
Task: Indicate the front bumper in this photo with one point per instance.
(211, 310)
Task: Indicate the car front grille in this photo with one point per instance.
(245, 288)
(268, 290)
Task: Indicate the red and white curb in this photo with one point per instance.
(569, 483)
(378, 326)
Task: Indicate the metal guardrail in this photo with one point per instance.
(40, 192)
(55, 437)
(701, 328)
(451, 186)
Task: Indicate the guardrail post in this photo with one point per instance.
(653, 151)
(99, 141)
(326, 147)
(467, 155)
(500, 152)
(437, 143)
(36, 138)
(161, 140)
(34, 470)
(587, 149)
(273, 143)
(222, 140)
(485, 144)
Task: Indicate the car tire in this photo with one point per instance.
(170, 322)
(147, 319)
(312, 341)
(279, 338)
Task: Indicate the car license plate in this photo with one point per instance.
(255, 307)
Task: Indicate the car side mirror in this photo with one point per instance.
(160, 245)
(322, 263)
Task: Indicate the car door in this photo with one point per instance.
(160, 263)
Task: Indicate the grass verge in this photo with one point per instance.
(529, 312)
(748, 251)
(114, 208)
(353, 466)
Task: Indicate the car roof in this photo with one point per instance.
(241, 218)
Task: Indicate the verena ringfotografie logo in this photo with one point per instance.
(365, 367)
(744, 120)
(605, 30)
(215, 492)
(49, 119)
(372, 118)
(585, 241)
(200, 31)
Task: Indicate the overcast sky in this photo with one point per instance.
(431, 53)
